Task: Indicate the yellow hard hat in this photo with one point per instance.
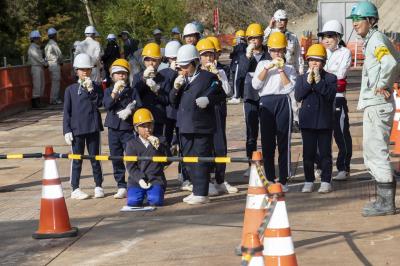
(151, 50)
(234, 42)
(216, 42)
(277, 40)
(316, 51)
(142, 116)
(121, 63)
(254, 30)
(205, 45)
(240, 33)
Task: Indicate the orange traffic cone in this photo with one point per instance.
(252, 251)
(54, 219)
(278, 244)
(256, 201)
(395, 130)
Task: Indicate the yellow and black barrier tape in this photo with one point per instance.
(21, 155)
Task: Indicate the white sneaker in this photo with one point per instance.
(342, 175)
(325, 187)
(308, 187)
(212, 190)
(186, 185)
(317, 173)
(193, 200)
(121, 193)
(234, 101)
(285, 188)
(79, 194)
(185, 199)
(98, 192)
(226, 188)
(247, 173)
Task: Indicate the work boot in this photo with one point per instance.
(385, 201)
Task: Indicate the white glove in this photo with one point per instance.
(317, 76)
(249, 50)
(212, 68)
(202, 102)
(68, 138)
(310, 77)
(173, 65)
(118, 87)
(131, 105)
(87, 83)
(154, 141)
(179, 81)
(154, 87)
(279, 63)
(144, 185)
(149, 73)
(269, 65)
(124, 113)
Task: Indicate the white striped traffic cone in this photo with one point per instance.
(54, 219)
(278, 243)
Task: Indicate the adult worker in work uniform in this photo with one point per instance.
(274, 81)
(196, 92)
(238, 49)
(120, 105)
(338, 63)
(380, 69)
(293, 53)
(55, 60)
(152, 88)
(255, 52)
(37, 62)
(92, 48)
(208, 61)
(111, 53)
(191, 34)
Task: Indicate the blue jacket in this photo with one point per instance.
(81, 113)
(152, 172)
(191, 118)
(171, 76)
(113, 106)
(317, 108)
(145, 98)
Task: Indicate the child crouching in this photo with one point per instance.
(146, 178)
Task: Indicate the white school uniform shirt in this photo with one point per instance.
(145, 142)
(225, 83)
(272, 84)
(338, 62)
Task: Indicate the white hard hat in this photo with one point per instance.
(332, 26)
(111, 36)
(157, 31)
(90, 30)
(82, 61)
(280, 14)
(186, 54)
(171, 49)
(175, 30)
(34, 34)
(51, 31)
(189, 29)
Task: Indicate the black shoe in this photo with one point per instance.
(385, 201)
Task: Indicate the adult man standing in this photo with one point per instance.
(37, 62)
(381, 67)
(55, 60)
(92, 48)
(292, 56)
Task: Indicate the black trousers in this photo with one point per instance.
(92, 142)
(341, 133)
(200, 145)
(220, 143)
(117, 140)
(320, 139)
(276, 121)
(252, 125)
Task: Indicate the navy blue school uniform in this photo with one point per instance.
(151, 172)
(197, 125)
(251, 98)
(316, 119)
(219, 137)
(83, 119)
(237, 80)
(119, 131)
(155, 102)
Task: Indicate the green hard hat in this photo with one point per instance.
(363, 9)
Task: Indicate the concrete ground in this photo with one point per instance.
(327, 229)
